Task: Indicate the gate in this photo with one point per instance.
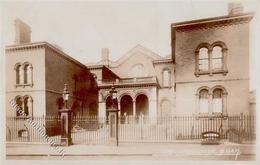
(90, 130)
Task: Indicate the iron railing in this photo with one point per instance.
(95, 130)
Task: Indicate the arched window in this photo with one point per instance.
(217, 58)
(204, 101)
(211, 59)
(18, 73)
(25, 105)
(166, 78)
(217, 102)
(27, 68)
(19, 103)
(203, 60)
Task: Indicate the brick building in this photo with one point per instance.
(36, 73)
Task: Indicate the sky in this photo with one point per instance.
(82, 28)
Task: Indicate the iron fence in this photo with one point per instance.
(32, 129)
(95, 130)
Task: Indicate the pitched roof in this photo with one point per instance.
(137, 48)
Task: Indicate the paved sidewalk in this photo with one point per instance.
(132, 149)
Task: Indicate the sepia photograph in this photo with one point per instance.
(129, 82)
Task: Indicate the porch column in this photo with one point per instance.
(101, 106)
(134, 108)
(119, 108)
(102, 109)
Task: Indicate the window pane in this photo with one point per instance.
(217, 63)
(217, 105)
(203, 59)
(204, 105)
(217, 100)
(204, 101)
(26, 74)
(217, 56)
(18, 74)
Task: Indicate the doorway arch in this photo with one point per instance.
(142, 106)
(126, 105)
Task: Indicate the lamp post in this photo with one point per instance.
(66, 120)
(113, 118)
(113, 94)
(65, 95)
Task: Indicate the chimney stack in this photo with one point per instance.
(22, 32)
(235, 8)
(105, 56)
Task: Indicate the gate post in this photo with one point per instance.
(113, 126)
(66, 122)
(113, 118)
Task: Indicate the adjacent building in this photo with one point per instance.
(35, 76)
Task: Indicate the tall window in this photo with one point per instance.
(204, 101)
(203, 59)
(217, 101)
(166, 78)
(18, 72)
(19, 103)
(217, 58)
(26, 106)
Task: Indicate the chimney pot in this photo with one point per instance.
(105, 56)
(235, 8)
(22, 32)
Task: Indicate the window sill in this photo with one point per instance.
(23, 85)
(166, 87)
(224, 72)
